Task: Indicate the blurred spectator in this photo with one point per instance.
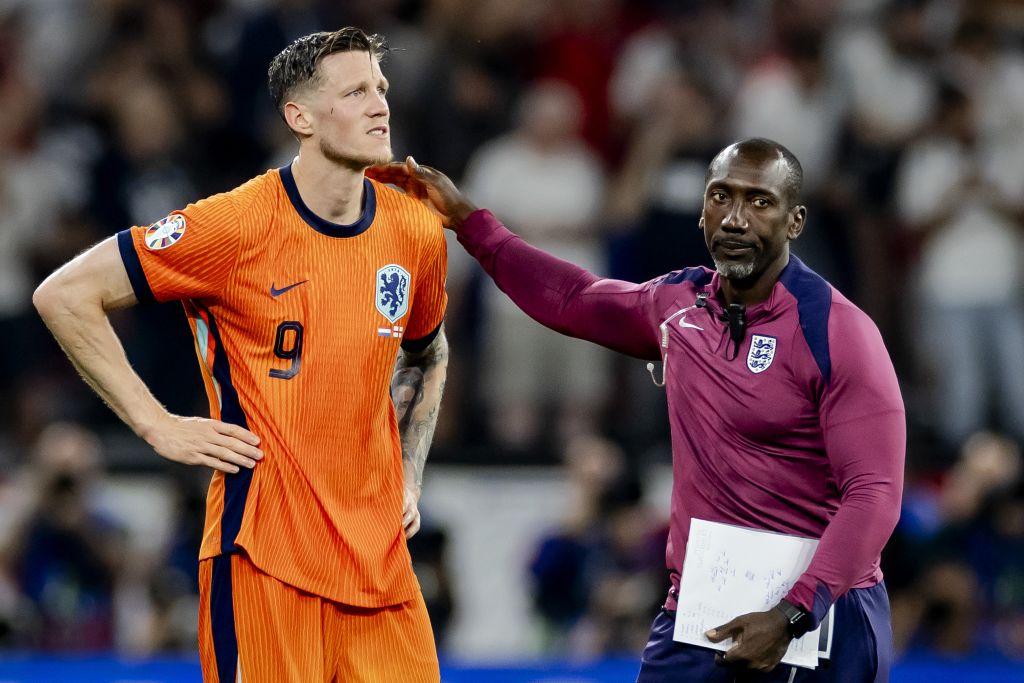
(59, 40)
(429, 551)
(596, 579)
(965, 196)
(984, 65)
(967, 562)
(146, 173)
(792, 97)
(1002, 577)
(890, 73)
(654, 203)
(171, 584)
(585, 39)
(887, 64)
(544, 181)
(41, 183)
(64, 554)
(627, 566)
(698, 36)
(243, 38)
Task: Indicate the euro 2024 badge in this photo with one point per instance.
(761, 353)
(165, 232)
(393, 292)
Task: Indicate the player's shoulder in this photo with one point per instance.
(255, 194)
(407, 213)
(259, 193)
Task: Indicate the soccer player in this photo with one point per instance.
(306, 289)
(784, 407)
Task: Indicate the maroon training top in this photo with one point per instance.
(799, 430)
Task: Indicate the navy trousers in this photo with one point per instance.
(862, 650)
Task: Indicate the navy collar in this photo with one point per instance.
(794, 271)
(322, 225)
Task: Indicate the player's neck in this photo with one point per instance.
(332, 192)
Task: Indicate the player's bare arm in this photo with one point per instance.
(406, 389)
(417, 430)
(74, 302)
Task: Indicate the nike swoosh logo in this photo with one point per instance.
(683, 323)
(278, 292)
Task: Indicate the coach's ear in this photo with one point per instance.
(298, 118)
(797, 220)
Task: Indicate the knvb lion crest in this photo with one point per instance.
(761, 354)
(393, 291)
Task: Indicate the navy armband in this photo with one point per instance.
(420, 345)
(133, 266)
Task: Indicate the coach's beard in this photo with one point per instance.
(734, 271)
(356, 163)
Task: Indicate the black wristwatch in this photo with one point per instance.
(799, 621)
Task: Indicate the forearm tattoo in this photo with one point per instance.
(416, 388)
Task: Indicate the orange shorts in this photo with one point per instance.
(256, 629)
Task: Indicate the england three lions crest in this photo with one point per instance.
(761, 353)
(393, 291)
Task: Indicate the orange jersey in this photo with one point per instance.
(298, 323)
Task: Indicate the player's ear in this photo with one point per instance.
(298, 118)
(700, 224)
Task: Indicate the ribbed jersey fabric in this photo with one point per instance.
(297, 324)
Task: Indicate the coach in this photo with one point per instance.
(785, 411)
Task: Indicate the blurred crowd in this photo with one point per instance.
(587, 126)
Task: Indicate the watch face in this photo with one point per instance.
(800, 624)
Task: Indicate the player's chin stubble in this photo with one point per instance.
(354, 162)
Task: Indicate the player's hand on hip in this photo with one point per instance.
(209, 443)
(761, 640)
(411, 510)
(430, 186)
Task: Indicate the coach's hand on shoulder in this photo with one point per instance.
(761, 640)
(430, 186)
(200, 441)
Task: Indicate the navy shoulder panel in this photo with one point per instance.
(813, 302)
(698, 276)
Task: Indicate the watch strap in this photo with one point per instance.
(798, 620)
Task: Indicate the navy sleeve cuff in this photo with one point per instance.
(420, 345)
(134, 267)
(822, 602)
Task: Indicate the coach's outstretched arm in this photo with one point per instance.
(428, 370)
(555, 293)
(73, 303)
